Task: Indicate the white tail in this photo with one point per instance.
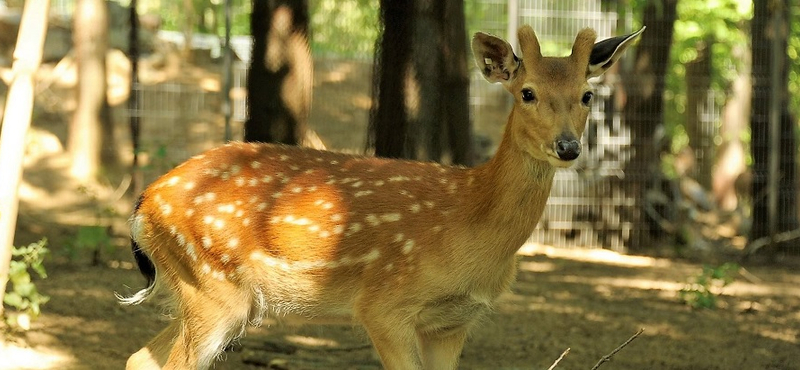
(415, 252)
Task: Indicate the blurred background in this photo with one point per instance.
(690, 153)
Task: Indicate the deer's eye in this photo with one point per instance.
(587, 98)
(528, 95)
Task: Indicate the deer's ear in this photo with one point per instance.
(605, 53)
(495, 58)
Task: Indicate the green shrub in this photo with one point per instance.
(21, 292)
(703, 289)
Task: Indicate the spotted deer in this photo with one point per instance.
(415, 252)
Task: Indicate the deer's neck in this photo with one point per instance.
(511, 192)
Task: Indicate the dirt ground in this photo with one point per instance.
(587, 300)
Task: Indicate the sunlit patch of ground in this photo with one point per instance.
(15, 357)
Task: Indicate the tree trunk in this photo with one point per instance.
(86, 128)
(643, 111)
(392, 77)
(699, 130)
(456, 85)
(421, 61)
(763, 32)
(281, 73)
(16, 121)
(426, 115)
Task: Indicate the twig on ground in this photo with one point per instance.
(608, 357)
(553, 366)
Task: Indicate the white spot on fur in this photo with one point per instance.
(338, 229)
(408, 246)
(371, 256)
(225, 258)
(208, 220)
(219, 224)
(189, 185)
(391, 217)
(191, 252)
(233, 243)
(362, 193)
(261, 206)
(354, 228)
(297, 189)
(189, 212)
(205, 268)
(255, 165)
(399, 237)
(436, 229)
(246, 221)
(206, 242)
(226, 208)
(357, 184)
(173, 180)
(414, 208)
(252, 182)
(372, 220)
(336, 217)
(266, 179)
(166, 209)
(283, 157)
(379, 183)
(235, 169)
(277, 195)
(239, 181)
(398, 178)
(429, 204)
(324, 234)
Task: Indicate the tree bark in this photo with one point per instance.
(388, 129)
(643, 110)
(456, 85)
(421, 61)
(280, 77)
(16, 121)
(87, 128)
(763, 32)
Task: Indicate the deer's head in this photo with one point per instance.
(552, 96)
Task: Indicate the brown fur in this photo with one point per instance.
(416, 252)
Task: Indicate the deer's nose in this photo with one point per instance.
(568, 148)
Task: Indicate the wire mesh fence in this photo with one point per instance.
(598, 203)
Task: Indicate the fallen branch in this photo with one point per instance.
(608, 357)
(553, 366)
(759, 243)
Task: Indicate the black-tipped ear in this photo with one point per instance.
(605, 53)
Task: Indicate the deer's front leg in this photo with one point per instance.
(441, 350)
(392, 334)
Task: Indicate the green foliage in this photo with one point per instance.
(347, 28)
(703, 289)
(21, 292)
(720, 25)
(94, 238)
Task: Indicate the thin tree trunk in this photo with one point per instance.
(16, 121)
(280, 77)
(698, 82)
(644, 111)
(456, 85)
(763, 32)
(392, 80)
(86, 128)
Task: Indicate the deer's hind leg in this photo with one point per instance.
(207, 320)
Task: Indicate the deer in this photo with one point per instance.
(417, 253)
